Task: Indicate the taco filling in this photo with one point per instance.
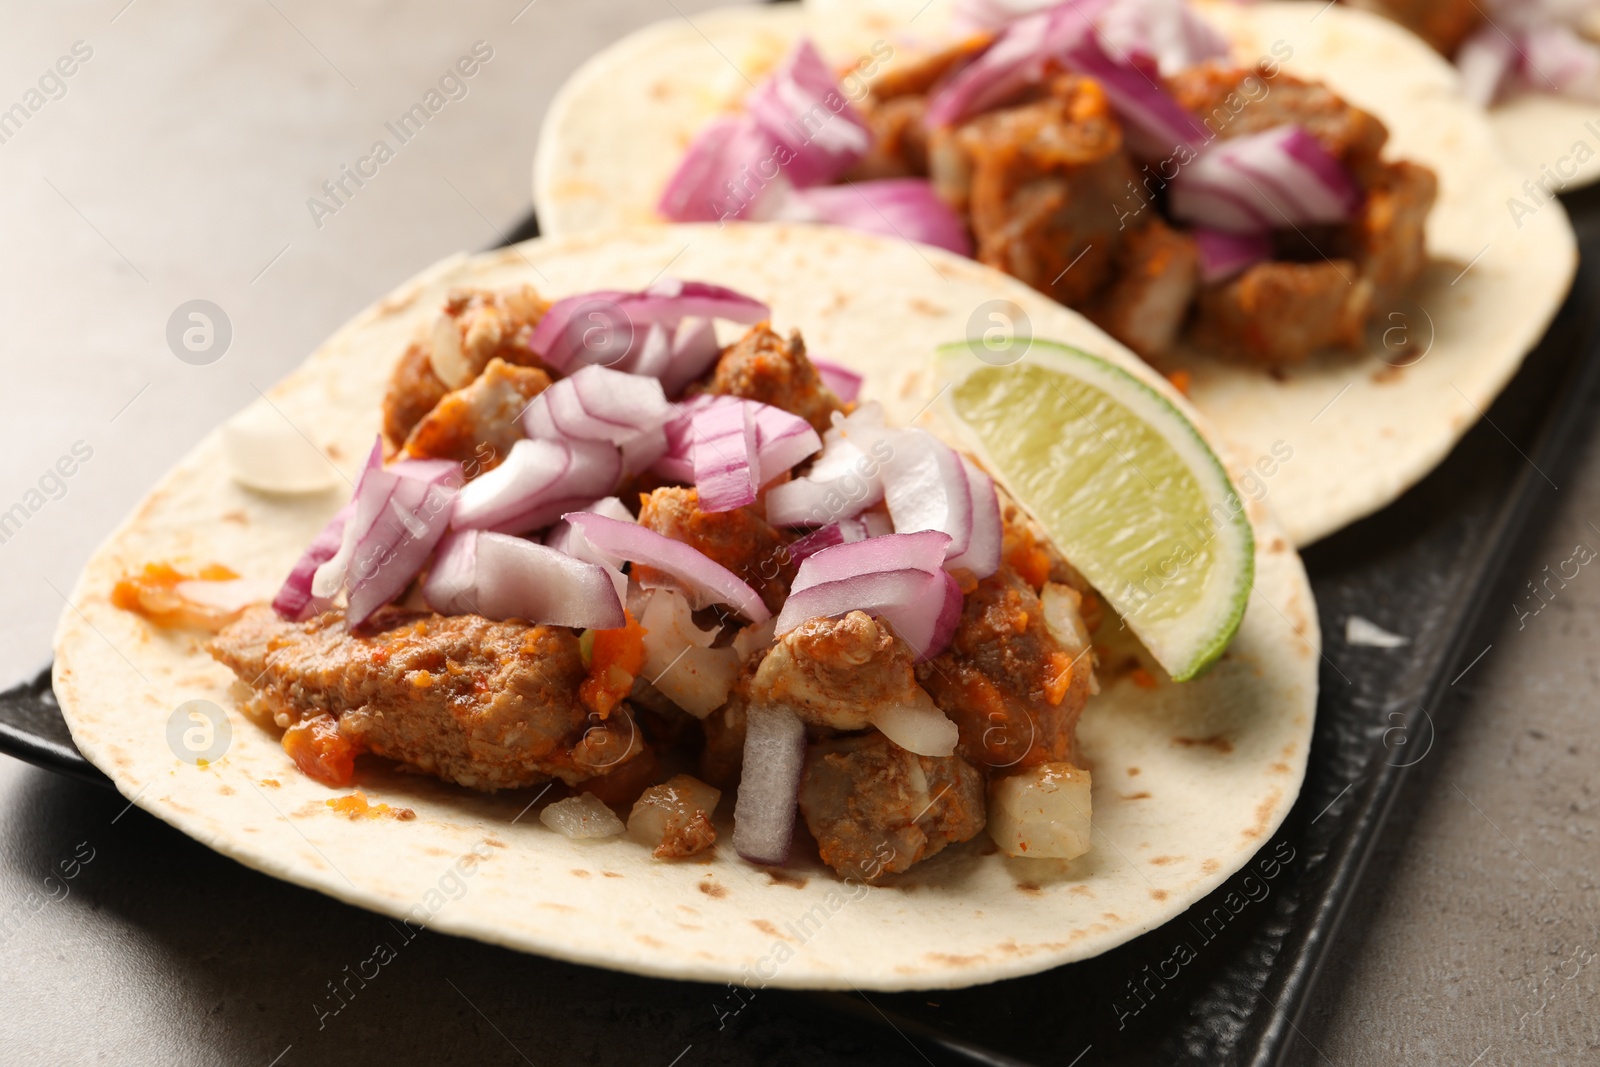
(1111, 155)
(596, 548)
(1504, 48)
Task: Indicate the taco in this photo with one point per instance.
(1536, 65)
(1362, 347)
(885, 683)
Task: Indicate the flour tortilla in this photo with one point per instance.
(1361, 428)
(1189, 780)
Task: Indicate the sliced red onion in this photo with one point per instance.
(982, 557)
(694, 350)
(802, 108)
(842, 482)
(560, 536)
(1264, 181)
(1486, 61)
(503, 577)
(642, 452)
(1224, 254)
(1166, 30)
(925, 487)
(295, 601)
(898, 577)
(1019, 57)
(972, 16)
(392, 550)
(719, 177)
(769, 784)
(372, 485)
(1555, 58)
(782, 439)
(913, 602)
(727, 468)
(1066, 35)
(843, 532)
(597, 404)
(539, 481)
(707, 434)
(562, 336)
(896, 207)
(1154, 123)
(564, 538)
(705, 581)
(924, 551)
(844, 382)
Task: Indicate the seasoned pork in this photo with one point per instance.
(876, 809)
(740, 539)
(763, 366)
(1012, 689)
(837, 672)
(488, 705)
(478, 424)
(1043, 181)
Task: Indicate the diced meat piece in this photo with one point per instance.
(1157, 272)
(836, 672)
(1279, 313)
(896, 106)
(723, 755)
(413, 391)
(899, 139)
(1388, 238)
(1235, 101)
(915, 74)
(478, 424)
(477, 325)
(1043, 183)
(740, 539)
(876, 809)
(1013, 691)
(763, 366)
(488, 705)
(473, 327)
(1444, 24)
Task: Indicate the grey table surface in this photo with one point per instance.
(175, 163)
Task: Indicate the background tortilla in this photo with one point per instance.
(1362, 427)
(1189, 780)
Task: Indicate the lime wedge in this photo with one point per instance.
(1123, 483)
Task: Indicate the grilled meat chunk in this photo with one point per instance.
(899, 139)
(1013, 691)
(1278, 313)
(1042, 181)
(473, 327)
(477, 325)
(1235, 101)
(478, 423)
(1388, 238)
(740, 539)
(1157, 273)
(836, 672)
(876, 809)
(488, 705)
(763, 366)
(413, 391)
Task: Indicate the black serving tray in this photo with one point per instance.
(1424, 568)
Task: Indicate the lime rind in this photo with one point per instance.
(1185, 645)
